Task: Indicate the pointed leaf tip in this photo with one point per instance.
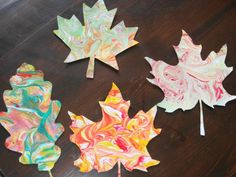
(149, 60)
(73, 17)
(114, 86)
(152, 112)
(184, 32)
(152, 81)
(115, 91)
(100, 3)
(70, 58)
(113, 11)
(55, 32)
(59, 20)
(70, 113)
(224, 48)
(58, 17)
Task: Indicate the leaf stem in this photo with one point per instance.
(119, 172)
(90, 69)
(202, 129)
(50, 173)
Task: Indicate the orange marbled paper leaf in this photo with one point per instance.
(116, 138)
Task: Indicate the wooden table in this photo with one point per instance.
(26, 36)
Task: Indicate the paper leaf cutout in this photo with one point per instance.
(192, 79)
(95, 39)
(116, 138)
(30, 118)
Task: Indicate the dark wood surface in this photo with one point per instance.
(26, 36)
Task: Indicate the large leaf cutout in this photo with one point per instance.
(116, 138)
(192, 79)
(95, 39)
(30, 118)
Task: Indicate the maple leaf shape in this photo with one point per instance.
(30, 118)
(116, 138)
(95, 39)
(192, 79)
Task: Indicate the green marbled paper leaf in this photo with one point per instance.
(95, 39)
(30, 118)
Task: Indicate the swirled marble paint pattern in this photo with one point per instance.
(30, 118)
(116, 138)
(95, 39)
(192, 79)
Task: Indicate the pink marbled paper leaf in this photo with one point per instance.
(192, 79)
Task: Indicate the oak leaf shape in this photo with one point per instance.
(116, 138)
(30, 118)
(192, 79)
(95, 39)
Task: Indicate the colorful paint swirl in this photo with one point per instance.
(116, 138)
(192, 79)
(95, 39)
(30, 118)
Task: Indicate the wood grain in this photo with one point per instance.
(26, 36)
